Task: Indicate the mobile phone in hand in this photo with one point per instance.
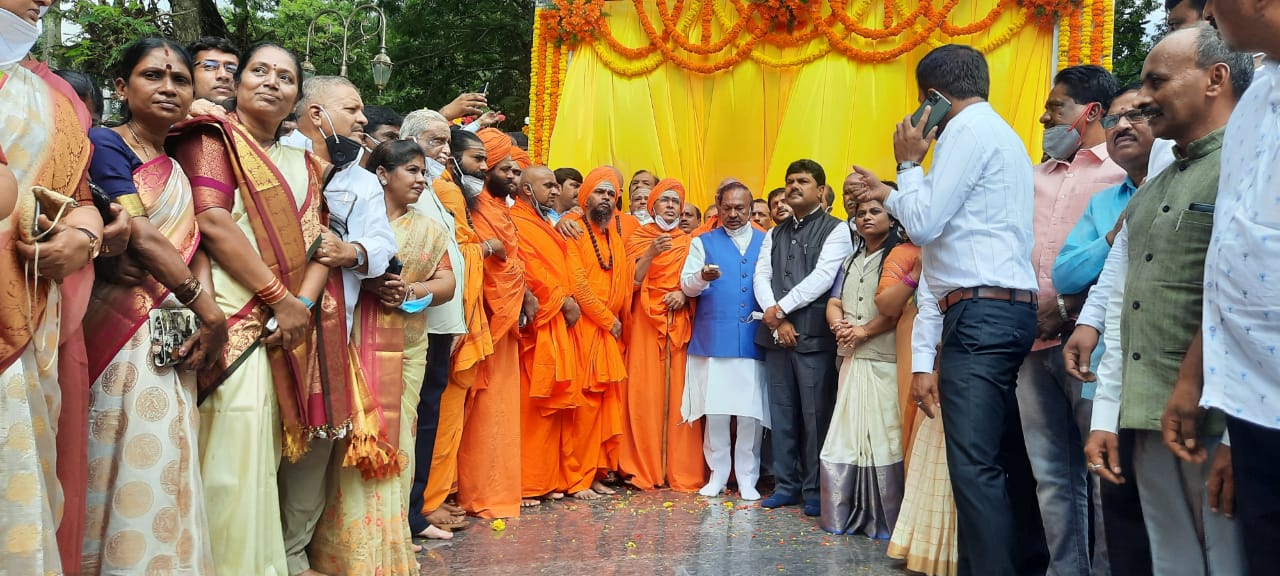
(938, 107)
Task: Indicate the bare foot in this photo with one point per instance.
(442, 519)
(600, 488)
(310, 572)
(415, 548)
(454, 509)
(556, 495)
(436, 534)
(587, 494)
(530, 502)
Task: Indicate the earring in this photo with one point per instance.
(383, 181)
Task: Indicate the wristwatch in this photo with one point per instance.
(907, 165)
(94, 243)
(781, 315)
(359, 256)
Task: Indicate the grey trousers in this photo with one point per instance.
(302, 496)
(1187, 539)
(802, 396)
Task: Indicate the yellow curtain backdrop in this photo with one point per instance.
(750, 121)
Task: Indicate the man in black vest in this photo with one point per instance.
(797, 266)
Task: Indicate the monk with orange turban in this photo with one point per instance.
(469, 349)
(489, 455)
(657, 447)
(601, 257)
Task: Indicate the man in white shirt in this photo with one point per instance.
(724, 374)
(972, 214)
(360, 244)
(798, 264)
(1241, 371)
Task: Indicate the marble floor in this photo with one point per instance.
(655, 533)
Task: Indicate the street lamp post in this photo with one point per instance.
(380, 65)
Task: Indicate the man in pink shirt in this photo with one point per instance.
(1055, 410)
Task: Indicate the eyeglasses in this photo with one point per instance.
(213, 65)
(1135, 116)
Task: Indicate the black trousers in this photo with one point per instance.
(1255, 462)
(999, 530)
(1128, 548)
(802, 397)
(433, 385)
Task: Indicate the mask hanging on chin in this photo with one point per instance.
(643, 217)
(434, 169)
(471, 185)
(342, 150)
(17, 36)
(1061, 142)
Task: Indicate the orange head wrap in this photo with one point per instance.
(664, 186)
(497, 145)
(521, 157)
(602, 177)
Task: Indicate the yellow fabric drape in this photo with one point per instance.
(751, 121)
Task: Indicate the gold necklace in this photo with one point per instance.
(145, 149)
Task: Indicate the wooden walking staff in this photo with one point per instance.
(666, 395)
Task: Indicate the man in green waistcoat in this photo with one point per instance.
(1190, 84)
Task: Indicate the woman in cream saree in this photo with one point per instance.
(43, 141)
(257, 204)
(365, 526)
(145, 505)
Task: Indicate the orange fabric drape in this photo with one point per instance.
(548, 358)
(656, 352)
(488, 486)
(597, 423)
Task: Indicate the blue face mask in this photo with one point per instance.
(416, 305)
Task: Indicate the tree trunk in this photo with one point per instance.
(52, 23)
(186, 20)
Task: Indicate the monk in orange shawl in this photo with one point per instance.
(602, 260)
(548, 355)
(469, 349)
(489, 455)
(661, 325)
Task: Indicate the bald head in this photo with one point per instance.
(538, 185)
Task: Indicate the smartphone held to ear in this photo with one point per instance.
(938, 107)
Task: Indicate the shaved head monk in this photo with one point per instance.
(489, 456)
(601, 256)
(549, 391)
(657, 448)
(458, 331)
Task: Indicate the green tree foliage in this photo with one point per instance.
(1131, 40)
(440, 48)
(106, 27)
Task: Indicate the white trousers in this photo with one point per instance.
(745, 460)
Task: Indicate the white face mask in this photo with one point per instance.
(17, 36)
(434, 169)
(642, 216)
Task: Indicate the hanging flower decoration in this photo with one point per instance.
(709, 36)
(1046, 13)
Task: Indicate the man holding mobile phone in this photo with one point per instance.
(972, 213)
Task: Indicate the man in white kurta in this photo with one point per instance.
(724, 375)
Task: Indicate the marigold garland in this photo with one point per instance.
(700, 36)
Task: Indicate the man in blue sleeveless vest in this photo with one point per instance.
(797, 266)
(724, 375)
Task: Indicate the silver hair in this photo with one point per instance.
(1211, 51)
(416, 122)
(316, 89)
